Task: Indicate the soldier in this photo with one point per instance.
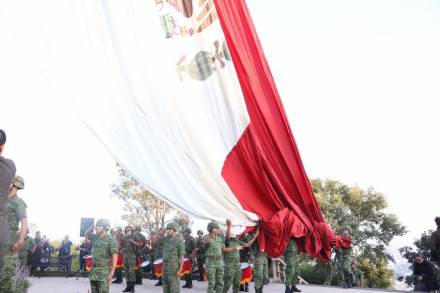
(214, 258)
(260, 266)
(232, 259)
(292, 262)
(141, 242)
(190, 248)
(200, 254)
(173, 257)
(358, 276)
(105, 256)
(158, 250)
(16, 218)
(131, 243)
(7, 173)
(25, 253)
(344, 259)
(119, 236)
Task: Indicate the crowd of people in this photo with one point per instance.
(179, 255)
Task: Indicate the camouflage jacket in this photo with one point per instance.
(16, 212)
(190, 245)
(102, 251)
(173, 249)
(233, 256)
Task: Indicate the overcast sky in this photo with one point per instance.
(359, 81)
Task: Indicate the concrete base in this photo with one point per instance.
(71, 285)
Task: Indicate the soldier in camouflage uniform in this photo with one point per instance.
(232, 259)
(158, 250)
(25, 253)
(141, 242)
(344, 260)
(119, 236)
(190, 248)
(214, 258)
(260, 266)
(200, 254)
(129, 249)
(292, 263)
(7, 173)
(173, 257)
(357, 275)
(10, 282)
(105, 256)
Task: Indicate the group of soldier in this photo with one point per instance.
(217, 256)
(13, 226)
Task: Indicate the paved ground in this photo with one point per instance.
(71, 285)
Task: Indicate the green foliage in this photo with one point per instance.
(372, 229)
(313, 272)
(376, 272)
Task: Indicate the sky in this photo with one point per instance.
(359, 81)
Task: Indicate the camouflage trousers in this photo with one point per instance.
(215, 276)
(291, 270)
(129, 266)
(232, 276)
(261, 271)
(12, 276)
(99, 287)
(344, 271)
(170, 280)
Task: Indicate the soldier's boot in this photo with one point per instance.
(127, 289)
(288, 290)
(295, 289)
(190, 281)
(201, 278)
(347, 281)
(246, 287)
(138, 278)
(159, 283)
(118, 279)
(132, 287)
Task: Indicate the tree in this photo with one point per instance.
(141, 207)
(372, 229)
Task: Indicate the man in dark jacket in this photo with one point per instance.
(424, 273)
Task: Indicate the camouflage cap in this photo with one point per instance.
(187, 230)
(172, 225)
(199, 232)
(18, 182)
(104, 223)
(212, 225)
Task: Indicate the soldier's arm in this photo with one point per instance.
(21, 213)
(208, 238)
(113, 249)
(228, 229)
(252, 240)
(181, 253)
(89, 232)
